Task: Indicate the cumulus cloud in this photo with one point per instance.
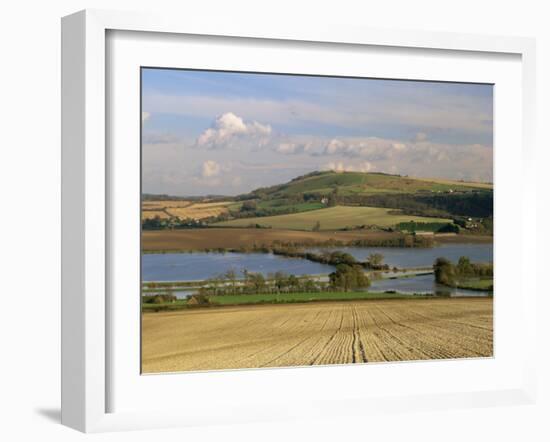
(340, 166)
(421, 136)
(145, 116)
(210, 169)
(291, 148)
(415, 158)
(371, 148)
(229, 128)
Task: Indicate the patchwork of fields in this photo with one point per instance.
(317, 334)
(333, 218)
(184, 209)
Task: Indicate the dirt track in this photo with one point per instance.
(317, 333)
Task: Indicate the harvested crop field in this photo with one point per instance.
(163, 204)
(199, 210)
(149, 214)
(184, 209)
(332, 218)
(317, 334)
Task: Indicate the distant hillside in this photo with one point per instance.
(358, 183)
(413, 196)
(335, 200)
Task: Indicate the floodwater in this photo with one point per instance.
(202, 265)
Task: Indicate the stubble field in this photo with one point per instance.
(333, 218)
(317, 334)
(183, 209)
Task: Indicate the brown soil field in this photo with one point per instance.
(317, 334)
(227, 238)
(463, 239)
(200, 239)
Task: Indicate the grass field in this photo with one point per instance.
(280, 205)
(317, 334)
(300, 297)
(271, 298)
(476, 283)
(332, 218)
(458, 184)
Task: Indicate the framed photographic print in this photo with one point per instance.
(295, 248)
(262, 224)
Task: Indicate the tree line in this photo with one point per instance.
(449, 274)
(345, 278)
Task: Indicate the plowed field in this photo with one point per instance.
(317, 334)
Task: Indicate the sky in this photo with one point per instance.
(224, 133)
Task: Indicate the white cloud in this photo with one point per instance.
(229, 128)
(210, 169)
(399, 146)
(372, 148)
(290, 148)
(145, 116)
(340, 166)
(421, 136)
(335, 146)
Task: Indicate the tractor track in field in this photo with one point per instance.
(329, 342)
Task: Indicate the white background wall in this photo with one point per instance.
(30, 214)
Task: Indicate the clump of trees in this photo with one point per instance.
(476, 203)
(331, 258)
(436, 227)
(345, 278)
(256, 283)
(449, 274)
(375, 261)
(160, 299)
(444, 272)
(249, 206)
(403, 240)
(198, 299)
(158, 223)
(348, 277)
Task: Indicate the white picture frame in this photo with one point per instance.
(86, 317)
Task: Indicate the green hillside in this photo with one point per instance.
(358, 183)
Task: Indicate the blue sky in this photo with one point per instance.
(228, 133)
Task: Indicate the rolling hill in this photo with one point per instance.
(359, 183)
(337, 200)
